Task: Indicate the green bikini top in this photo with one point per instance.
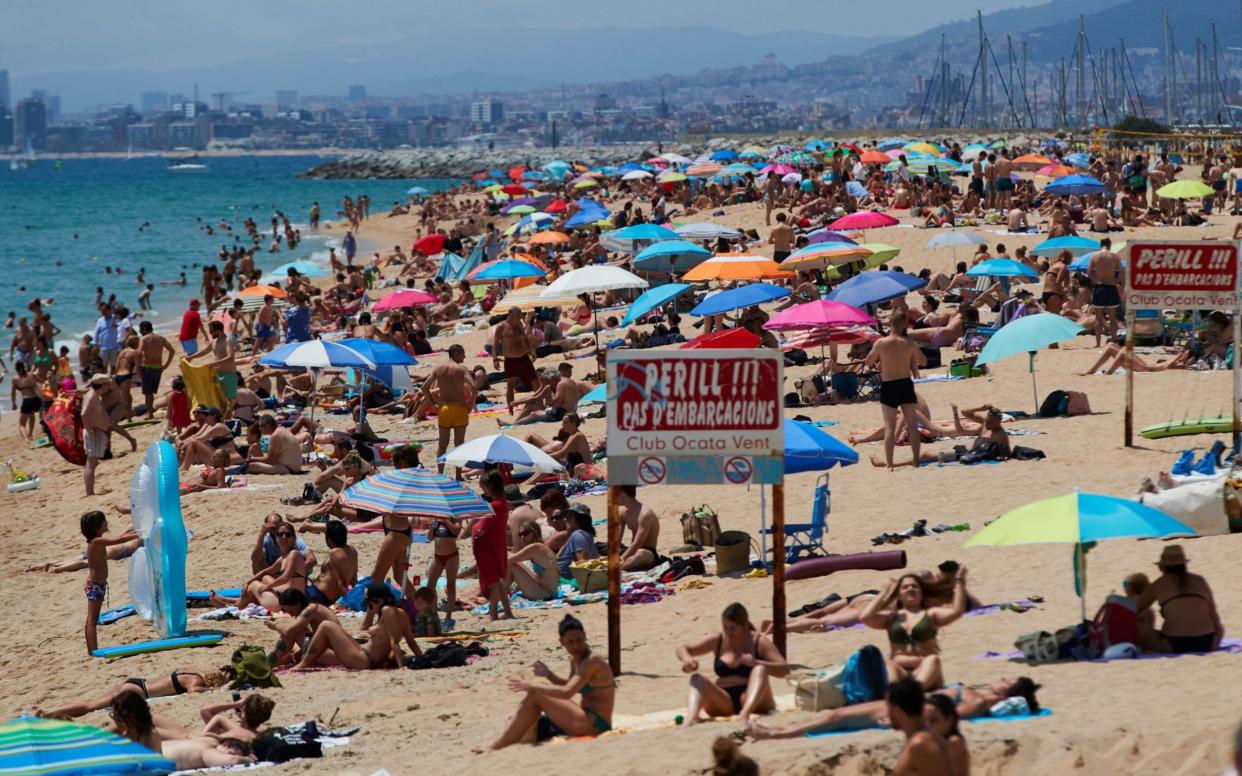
(924, 630)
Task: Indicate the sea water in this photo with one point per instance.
(62, 223)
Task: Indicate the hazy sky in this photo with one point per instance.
(44, 36)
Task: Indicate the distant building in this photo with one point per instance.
(487, 112)
(287, 99)
(604, 102)
(4, 90)
(51, 104)
(357, 93)
(155, 102)
(6, 127)
(181, 134)
(30, 123)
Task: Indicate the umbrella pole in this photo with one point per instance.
(1034, 389)
(314, 390)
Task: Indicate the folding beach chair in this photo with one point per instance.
(807, 539)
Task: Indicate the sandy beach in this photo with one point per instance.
(1168, 716)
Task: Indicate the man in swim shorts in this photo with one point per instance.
(899, 360)
(1104, 272)
(224, 363)
(512, 341)
(156, 354)
(454, 399)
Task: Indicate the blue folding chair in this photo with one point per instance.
(807, 539)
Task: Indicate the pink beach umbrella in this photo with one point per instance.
(865, 219)
(819, 314)
(834, 335)
(778, 169)
(406, 297)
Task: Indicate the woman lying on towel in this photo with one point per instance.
(183, 680)
(969, 702)
(912, 626)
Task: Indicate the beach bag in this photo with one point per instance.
(732, 552)
(1077, 404)
(451, 655)
(819, 691)
(700, 526)
(251, 668)
(1115, 623)
(795, 357)
(1054, 404)
(280, 746)
(863, 677)
(1038, 647)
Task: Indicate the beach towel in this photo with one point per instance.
(938, 378)
(202, 386)
(1007, 718)
(1007, 606)
(1227, 646)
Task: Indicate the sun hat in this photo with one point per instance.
(98, 380)
(513, 494)
(194, 303)
(1172, 555)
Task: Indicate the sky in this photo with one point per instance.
(48, 36)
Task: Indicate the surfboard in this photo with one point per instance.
(119, 613)
(159, 645)
(1217, 425)
(203, 595)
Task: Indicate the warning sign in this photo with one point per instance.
(652, 471)
(1183, 275)
(738, 470)
(672, 403)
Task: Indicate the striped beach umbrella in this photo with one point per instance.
(30, 745)
(499, 448)
(415, 492)
(316, 354)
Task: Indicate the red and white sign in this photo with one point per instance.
(1183, 275)
(674, 403)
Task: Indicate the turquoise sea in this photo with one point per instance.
(62, 223)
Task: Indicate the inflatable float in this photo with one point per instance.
(157, 569)
(30, 483)
(63, 424)
(1218, 425)
(874, 561)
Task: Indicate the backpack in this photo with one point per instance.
(280, 745)
(1115, 623)
(1054, 404)
(1077, 403)
(250, 668)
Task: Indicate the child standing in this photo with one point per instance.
(445, 558)
(94, 526)
(178, 406)
(490, 544)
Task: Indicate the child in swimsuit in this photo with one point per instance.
(446, 559)
(94, 526)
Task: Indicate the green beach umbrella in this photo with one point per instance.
(881, 253)
(1185, 190)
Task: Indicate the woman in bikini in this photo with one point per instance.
(179, 682)
(332, 645)
(444, 559)
(264, 588)
(212, 435)
(744, 661)
(1056, 281)
(945, 336)
(912, 626)
(538, 580)
(547, 709)
(1187, 606)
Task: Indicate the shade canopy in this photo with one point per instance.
(818, 314)
(652, 299)
(954, 238)
(724, 339)
(591, 280)
(1027, 334)
(1001, 268)
(736, 266)
(743, 296)
(316, 354)
(670, 256)
(1076, 185)
(707, 231)
(1077, 518)
(406, 297)
(49, 747)
(1074, 244)
(382, 353)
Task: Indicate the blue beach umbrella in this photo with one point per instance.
(809, 449)
(417, 191)
(316, 354)
(48, 747)
(499, 448)
(1001, 268)
(509, 269)
(589, 212)
(735, 298)
(652, 299)
(1075, 245)
(1082, 263)
(382, 353)
(1070, 185)
(415, 492)
(302, 267)
(597, 395)
(1028, 334)
(632, 239)
(875, 287)
(670, 256)
(724, 155)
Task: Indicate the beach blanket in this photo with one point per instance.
(938, 378)
(1227, 646)
(326, 741)
(202, 386)
(1008, 718)
(568, 595)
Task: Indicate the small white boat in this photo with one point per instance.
(186, 164)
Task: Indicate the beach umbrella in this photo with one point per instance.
(724, 155)
(652, 299)
(855, 189)
(817, 145)
(586, 184)
(589, 212)
(1079, 160)
(635, 175)
(953, 238)
(736, 266)
(752, 152)
(556, 206)
(509, 208)
(380, 352)
(513, 189)
(778, 169)
(1185, 190)
(50, 747)
(672, 176)
(506, 269)
(826, 254)
(738, 169)
(810, 449)
(706, 231)
(430, 245)
(1031, 162)
(1075, 185)
(315, 354)
(875, 287)
(724, 339)
(829, 236)
(832, 335)
(1083, 262)
(519, 210)
(499, 448)
(417, 191)
(597, 395)
(817, 314)
(672, 158)
(889, 143)
(392, 375)
(707, 169)
(406, 297)
(874, 157)
(632, 239)
(533, 222)
(1080, 519)
(261, 291)
(736, 298)
(1001, 268)
(415, 492)
(549, 238)
(1055, 171)
(1028, 334)
(792, 177)
(1075, 245)
(591, 280)
(923, 148)
(670, 256)
(880, 254)
(302, 267)
(864, 219)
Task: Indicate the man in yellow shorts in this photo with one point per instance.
(453, 401)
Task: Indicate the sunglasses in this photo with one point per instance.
(526, 533)
(285, 534)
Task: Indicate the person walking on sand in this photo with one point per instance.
(453, 405)
(899, 360)
(153, 348)
(512, 341)
(97, 425)
(106, 338)
(191, 327)
(1104, 272)
(225, 362)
